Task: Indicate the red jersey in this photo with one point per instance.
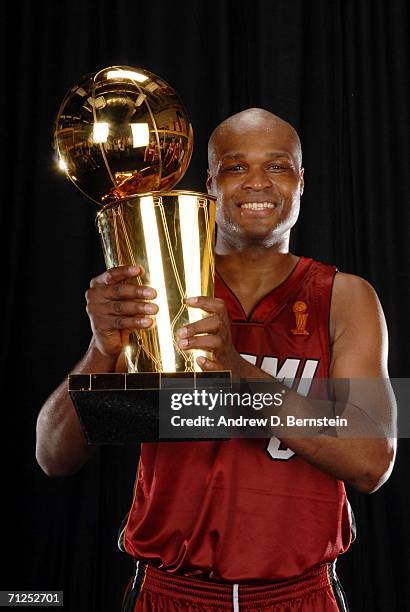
(242, 510)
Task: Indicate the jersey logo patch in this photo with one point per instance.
(299, 309)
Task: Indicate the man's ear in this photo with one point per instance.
(209, 181)
(302, 180)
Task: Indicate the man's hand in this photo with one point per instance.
(116, 306)
(211, 334)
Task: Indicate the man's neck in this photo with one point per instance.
(254, 270)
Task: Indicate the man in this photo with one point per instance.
(243, 524)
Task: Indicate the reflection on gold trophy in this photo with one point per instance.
(124, 139)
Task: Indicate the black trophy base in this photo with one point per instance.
(124, 408)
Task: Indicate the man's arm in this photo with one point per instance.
(359, 351)
(61, 447)
(114, 306)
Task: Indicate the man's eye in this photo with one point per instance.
(276, 167)
(235, 168)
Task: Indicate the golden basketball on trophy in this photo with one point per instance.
(124, 139)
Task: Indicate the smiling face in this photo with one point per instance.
(254, 171)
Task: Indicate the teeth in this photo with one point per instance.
(257, 205)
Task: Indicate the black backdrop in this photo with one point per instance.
(338, 70)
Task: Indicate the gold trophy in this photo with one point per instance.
(124, 139)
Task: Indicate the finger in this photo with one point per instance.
(128, 308)
(130, 291)
(209, 342)
(206, 325)
(209, 304)
(209, 365)
(116, 275)
(107, 324)
(124, 291)
(120, 291)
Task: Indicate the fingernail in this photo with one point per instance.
(201, 360)
(191, 301)
(144, 321)
(181, 332)
(183, 343)
(149, 293)
(150, 308)
(133, 269)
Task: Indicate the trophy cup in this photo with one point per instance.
(123, 137)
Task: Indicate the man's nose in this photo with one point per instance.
(257, 179)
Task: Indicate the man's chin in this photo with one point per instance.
(259, 231)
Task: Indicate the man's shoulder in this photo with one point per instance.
(352, 288)
(346, 287)
(354, 303)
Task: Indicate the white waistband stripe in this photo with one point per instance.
(235, 597)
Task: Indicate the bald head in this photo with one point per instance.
(253, 119)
